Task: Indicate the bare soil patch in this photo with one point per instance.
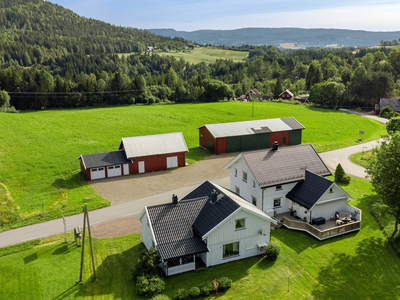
(289, 46)
(117, 228)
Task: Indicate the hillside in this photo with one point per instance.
(277, 36)
(40, 31)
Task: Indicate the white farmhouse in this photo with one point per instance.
(207, 227)
(288, 183)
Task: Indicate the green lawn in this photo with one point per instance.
(361, 158)
(357, 266)
(39, 150)
(208, 55)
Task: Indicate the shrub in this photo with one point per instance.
(206, 288)
(215, 284)
(272, 251)
(224, 283)
(194, 292)
(387, 112)
(148, 264)
(340, 175)
(393, 125)
(181, 294)
(149, 286)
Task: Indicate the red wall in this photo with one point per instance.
(286, 96)
(84, 171)
(220, 146)
(277, 136)
(155, 162)
(205, 136)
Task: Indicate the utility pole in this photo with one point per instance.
(86, 219)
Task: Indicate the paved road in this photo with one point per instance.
(134, 207)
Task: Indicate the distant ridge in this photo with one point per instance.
(277, 36)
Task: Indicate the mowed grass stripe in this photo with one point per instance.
(39, 150)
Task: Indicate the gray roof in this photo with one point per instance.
(157, 144)
(287, 164)
(172, 227)
(308, 192)
(104, 159)
(252, 127)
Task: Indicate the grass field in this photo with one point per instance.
(207, 55)
(357, 266)
(39, 150)
(361, 158)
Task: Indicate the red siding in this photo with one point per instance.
(220, 146)
(278, 136)
(155, 162)
(206, 136)
(84, 171)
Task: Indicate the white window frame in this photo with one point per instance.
(278, 188)
(235, 172)
(254, 199)
(235, 245)
(244, 176)
(279, 204)
(237, 190)
(241, 222)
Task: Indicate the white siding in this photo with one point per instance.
(272, 193)
(247, 191)
(147, 236)
(248, 238)
(328, 209)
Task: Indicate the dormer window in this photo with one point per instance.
(278, 188)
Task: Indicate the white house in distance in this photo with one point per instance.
(288, 182)
(209, 226)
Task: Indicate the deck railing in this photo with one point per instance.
(321, 234)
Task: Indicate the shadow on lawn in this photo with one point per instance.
(364, 275)
(70, 181)
(113, 276)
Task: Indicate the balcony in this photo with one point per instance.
(321, 232)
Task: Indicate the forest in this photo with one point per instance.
(52, 58)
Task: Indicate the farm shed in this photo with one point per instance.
(286, 94)
(154, 152)
(250, 135)
(104, 165)
(393, 103)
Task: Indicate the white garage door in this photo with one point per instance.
(97, 173)
(114, 171)
(172, 162)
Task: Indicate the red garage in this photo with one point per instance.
(155, 152)
(250, 135)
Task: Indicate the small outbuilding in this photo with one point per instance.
(154, 152)
(104, 165)
(286, 95)
(250, 135)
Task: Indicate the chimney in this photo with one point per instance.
(275, 146)
(213, 196)
(174, 199)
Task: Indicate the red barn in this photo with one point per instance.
(250, 135)
(137, 154)
(286, 95)
(154, 152)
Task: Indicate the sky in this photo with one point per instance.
(190, 15)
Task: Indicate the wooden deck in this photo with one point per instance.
(321, 232)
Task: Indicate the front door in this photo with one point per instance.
(141, 166)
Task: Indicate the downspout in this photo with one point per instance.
(262, 203)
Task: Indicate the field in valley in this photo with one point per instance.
(39, 150)
(357, 265)
(208, 55)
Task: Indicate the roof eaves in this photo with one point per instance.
(83, 161)
(233, 161)
(151, 227)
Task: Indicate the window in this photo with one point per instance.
(254, 200)
(277, 202)
(278, 188)
(235, 172)
(330, 190)
(230, 250)
(239, 224)
(254, 183)
(244, 176)
(117, 167)
(237, 190)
